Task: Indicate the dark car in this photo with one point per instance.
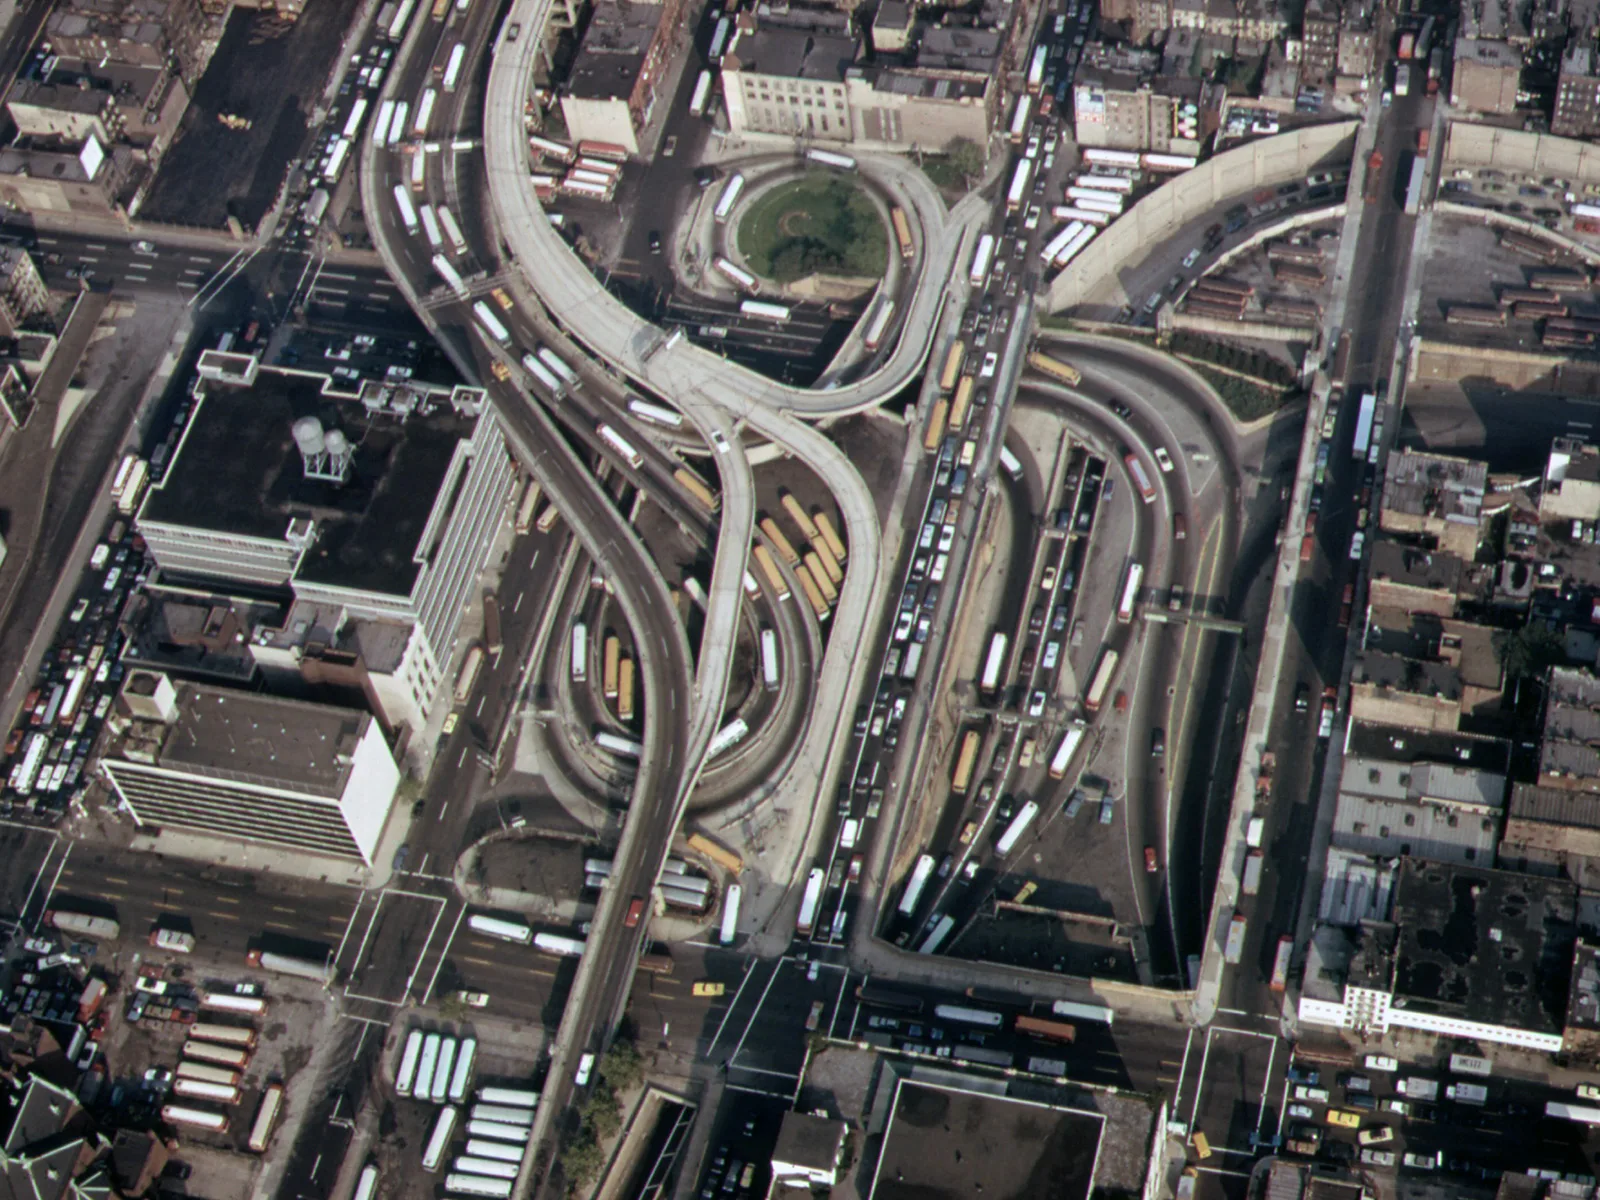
(1158, 742)
(1302, 697)
(655, 241)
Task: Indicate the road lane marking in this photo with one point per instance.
(478, 962)
(443, 951)
(162, 904)
(225, 916)
(226, 899)
(281, 908)
(279, 925)
(116, 879)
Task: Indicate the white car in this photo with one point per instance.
(1356, 545)
(474, 999)
(991, 360)
(902, 627)
(585, 1068)
(144, 247)
(1303, 1112)
(1036, 703)
(947, 538)
(1191, 258)
(1163, 459)
(720, 442)
(1588, 1091)
(1031, 221)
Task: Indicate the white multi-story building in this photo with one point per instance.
(375, 509)
(246, 767)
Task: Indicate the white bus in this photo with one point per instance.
(810, 901)
(505, 931)
(558, 367)
(828, 158)
(769, 312)
(769, 660)
(1014, 831)
(1036, 68)
(441, 1071)
(490, 323)
(580, 652)
(937, 934)
(266, 1117)
(408, 1063)
(1102, 195)
(352, 123)
(1130, 592)
(1054, 247)
(719, 38)
(408, 213)
(729, 197)
(450, 275)
(655, 413)
(426, 1062)
(380, 127)
(479, 1185)
(419, 123)
(994, 662)
(1111, 158)
(738, 275)
(498, 1130)
(461, 1077)
(702, 95)
(625, 747)
(444, 1125)
(920, 874)
(452, 70)
(516, 1097)
(981, 258)
(1017, 194)
(397, 127)
(419, 168)
(879, 325)
(1019, 118)
(963, 1015)
(367, 1185)
(1084, 1012)
(621, 445)
(430, 226)
(729, 736)
(397, 27)
(730, 914)
(542, 373)
(452, 231)
(1070, 741)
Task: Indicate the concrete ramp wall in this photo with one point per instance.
(1156, 218)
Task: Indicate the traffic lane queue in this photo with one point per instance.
(47, 752)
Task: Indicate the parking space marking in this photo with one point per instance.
(734, 1057)
(749, 969)
(444, 950)
(50, 891)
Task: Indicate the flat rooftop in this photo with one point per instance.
(614, 49)
(252, 738)
(1486, 946)
(1393, 744)
(238, 471)
(944, 1142)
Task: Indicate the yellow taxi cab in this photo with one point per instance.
(500, 298)
(499, 370)
(1349, 1120)
(1202, 1147)
(705, 987)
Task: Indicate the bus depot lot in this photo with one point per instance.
(407, 1122)
(298, 1035)
(1466, 263)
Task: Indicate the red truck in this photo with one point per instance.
(1374, 170)
(635, 911)
(1423, 136)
